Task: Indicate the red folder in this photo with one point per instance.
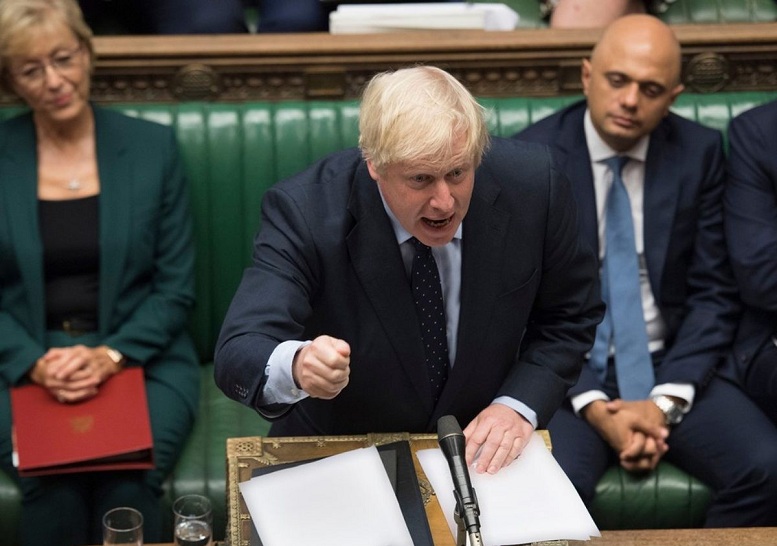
(110, 431)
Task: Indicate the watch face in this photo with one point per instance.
(673, 413)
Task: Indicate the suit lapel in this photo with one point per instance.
(575, 159)
(116, 183)
(483, 240)
(384, 280)
(20, 203)
(660, 201)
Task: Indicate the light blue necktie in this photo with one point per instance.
(624, 322)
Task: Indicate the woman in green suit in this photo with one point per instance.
(96, 266)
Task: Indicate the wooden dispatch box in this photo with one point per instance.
(246, 454)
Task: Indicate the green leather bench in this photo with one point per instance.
(233, 153)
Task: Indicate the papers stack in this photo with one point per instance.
(371, 18)
(531, 500)
(348, 499)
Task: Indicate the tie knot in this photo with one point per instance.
(616, 163)
(420, 248)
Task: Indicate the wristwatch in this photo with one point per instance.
(673, 412)
(115, 355)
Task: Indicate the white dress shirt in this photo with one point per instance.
(633, 176)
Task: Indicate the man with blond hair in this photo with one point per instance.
(649, 184)
(323, 335)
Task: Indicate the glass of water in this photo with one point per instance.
(193, 521)
(123, 526)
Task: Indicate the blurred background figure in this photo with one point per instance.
(595, 13)
(167, 16)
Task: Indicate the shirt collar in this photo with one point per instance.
(599, 150)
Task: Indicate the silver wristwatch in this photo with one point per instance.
(673, 412)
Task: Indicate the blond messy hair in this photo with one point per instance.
(417, 114)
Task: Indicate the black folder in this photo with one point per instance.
(398, 461)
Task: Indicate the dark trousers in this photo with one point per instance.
(165, 16)
(725, 441)
(760, 380)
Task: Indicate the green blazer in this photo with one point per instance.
(146, 251)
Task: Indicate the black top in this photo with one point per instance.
(71, 261)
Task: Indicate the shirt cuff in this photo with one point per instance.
(525, 411)
(684, 391)
(581, 400)
(280, 387)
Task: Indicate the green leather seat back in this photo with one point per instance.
(666, 498)
(232, 154)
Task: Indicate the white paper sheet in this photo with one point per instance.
(368, 18)
(530, 500)
(342, 499)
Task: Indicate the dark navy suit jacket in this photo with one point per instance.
(326, 261)
(751, 226)
(684, 243)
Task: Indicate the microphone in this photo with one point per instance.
(451, 440)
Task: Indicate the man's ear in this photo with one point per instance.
(373, 171)
(585, 75)
(674, 93)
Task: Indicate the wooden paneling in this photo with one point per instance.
(527, 62)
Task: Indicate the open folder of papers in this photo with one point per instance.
(369, 18)
(531, 500)
(349, 499)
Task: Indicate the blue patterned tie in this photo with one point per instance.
(427, 293)
(624, 322)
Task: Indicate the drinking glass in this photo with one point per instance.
(193, 521)
(123, 525)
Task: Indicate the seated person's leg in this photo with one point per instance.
(580, 451)
(126, 488)
(181, 16)
(199, 16)
(727, 442)
(55, 510)
(171, 422)
(761, 380)
(293, 16)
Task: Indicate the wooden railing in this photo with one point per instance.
(528, 62)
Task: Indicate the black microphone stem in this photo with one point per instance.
(467, 513)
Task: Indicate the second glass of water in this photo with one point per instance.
(193, 521)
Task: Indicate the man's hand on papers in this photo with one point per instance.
(496, 437)
(322, 367)
(632, 429)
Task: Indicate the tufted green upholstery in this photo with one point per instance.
(233, 153)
